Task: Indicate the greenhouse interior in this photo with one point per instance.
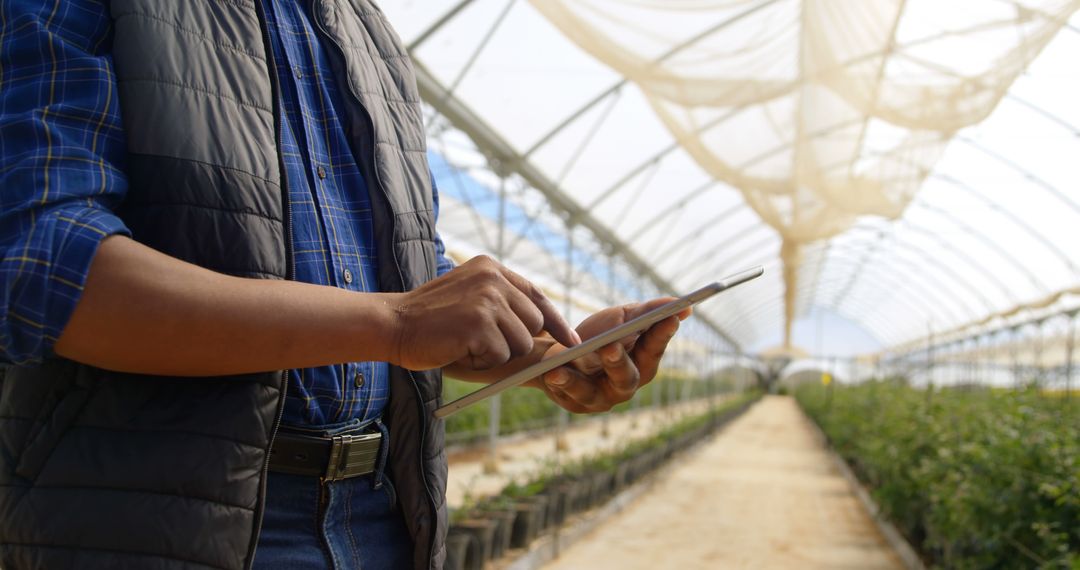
(297, 218)
(898, 390)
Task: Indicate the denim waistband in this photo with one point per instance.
(339, 428)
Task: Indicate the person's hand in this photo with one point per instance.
(478, 316)
(598, 381)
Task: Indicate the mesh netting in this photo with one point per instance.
(817, 111)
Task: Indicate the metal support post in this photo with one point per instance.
(605, 423)
(930, 356)
(976, 360)
(1014, 350)
(1069, 348)
(1037, 356)
(491, 464)
(568, 290)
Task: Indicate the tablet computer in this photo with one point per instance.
(629, 328)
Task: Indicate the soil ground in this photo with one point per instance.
(763, 494)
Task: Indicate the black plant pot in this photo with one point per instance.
(542, 501)
(622, 476)
(459, 545)
(527, 522)
(504, 528)
(601, 485)
(580, 495)
(483, 533)
(558, 500)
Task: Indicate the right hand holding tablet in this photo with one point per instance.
(478, 316)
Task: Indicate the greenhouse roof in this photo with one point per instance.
(909, 166)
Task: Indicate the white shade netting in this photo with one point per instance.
(817, 111)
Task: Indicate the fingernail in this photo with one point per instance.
(613, 355)
(674, 330)
(557, 378)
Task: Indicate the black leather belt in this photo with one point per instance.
(331, 458)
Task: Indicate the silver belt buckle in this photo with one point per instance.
(352, 456)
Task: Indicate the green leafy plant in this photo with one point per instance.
(974, 477)
(607, 461)
(526, 409)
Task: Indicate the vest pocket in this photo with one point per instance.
(71, 387)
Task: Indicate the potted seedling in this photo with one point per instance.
(500, 508)
(462, 553)
(468, 519)
(529, 512)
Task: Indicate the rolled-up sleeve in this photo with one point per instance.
(62, 147)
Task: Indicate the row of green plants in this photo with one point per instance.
(974, 478)
(486, 529)
(529, 409)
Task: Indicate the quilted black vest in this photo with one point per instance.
(101, 469)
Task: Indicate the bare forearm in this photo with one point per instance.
(143, 311)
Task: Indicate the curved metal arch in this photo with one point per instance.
(623, 82)
(586, 141)
(910, 293)
(657, 158)
(720, 265)
(964, 259)
(750, 231)
(490, 142)
(951, 298)
(882, 275)
(1053, 190)
(891, 333)
(475, 55)
(743, 325)
(696, 235)
(868, 310)
(741, 322)
(943, 295)
(948, 271)
(866, 257)
(442, 21)
(676, 206)
(931, 259)
(1016, 220)
(733, 306)
(679, 242)
(747, 317)
(992, 245)
(887, 332)
(1052, 117)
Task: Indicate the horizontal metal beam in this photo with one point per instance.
(509, 160)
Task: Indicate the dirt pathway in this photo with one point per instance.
(763, 494)
(524, 457)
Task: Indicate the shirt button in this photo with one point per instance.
(358, 380)
(322, 173)
(347, 275)
(299, 73)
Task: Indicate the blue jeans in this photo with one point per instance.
(350, 524)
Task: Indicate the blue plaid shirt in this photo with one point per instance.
(63, 150)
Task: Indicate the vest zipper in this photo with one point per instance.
(401, 278)
(290, 272)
